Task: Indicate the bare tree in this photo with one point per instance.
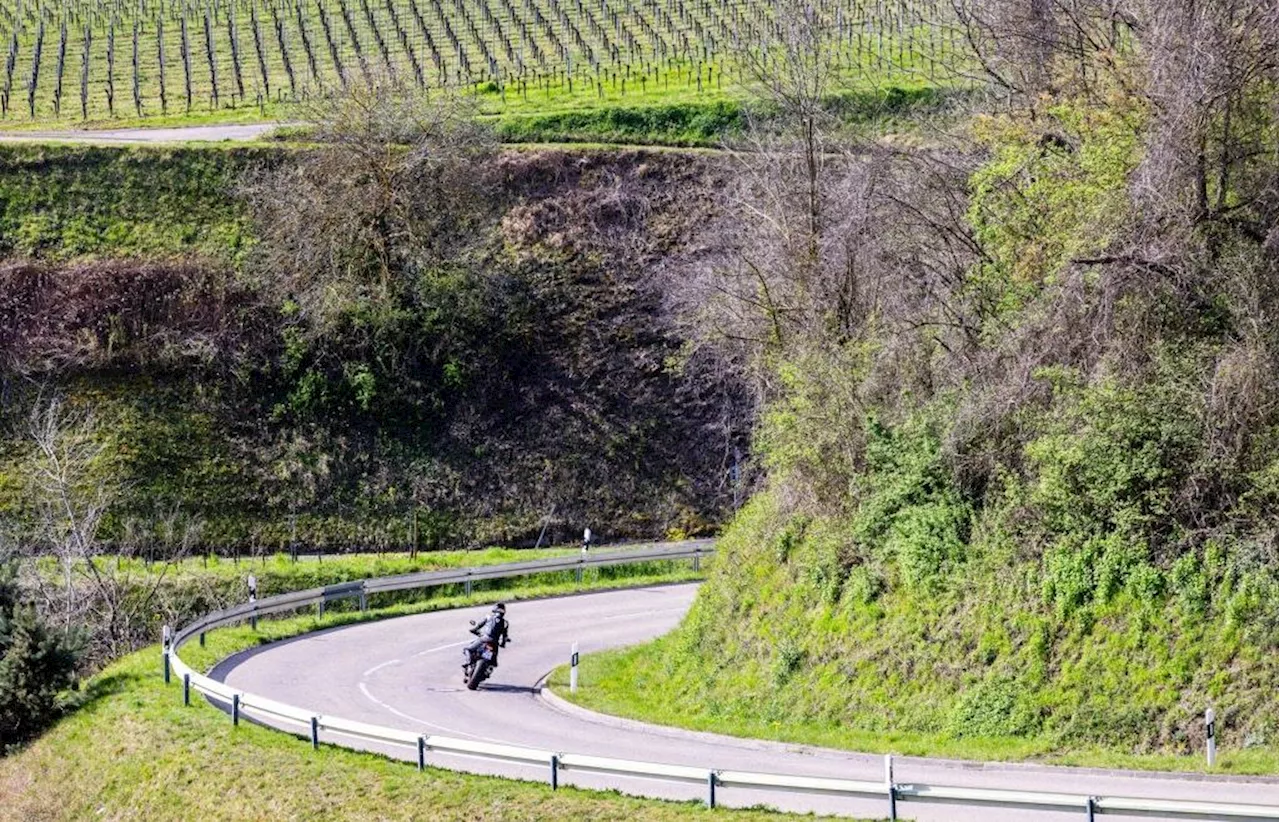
(829, 246)
(102, 589)
(390, 182)
(71, 490)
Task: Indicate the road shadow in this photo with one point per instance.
(508, 689)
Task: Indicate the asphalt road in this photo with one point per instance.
(406, 673)
(181, 134)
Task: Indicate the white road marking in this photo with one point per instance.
(420, 721)
(442, 647)
(369, 672)
(365, 690)
(380, 665)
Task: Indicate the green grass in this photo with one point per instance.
(977, 666)
(321, 569)
(64, 202)
(714, 122)
(629, 683)
(133, 752)
(218, 581)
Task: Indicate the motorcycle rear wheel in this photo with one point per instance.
(480, 674)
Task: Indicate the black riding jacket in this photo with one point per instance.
(494, 627)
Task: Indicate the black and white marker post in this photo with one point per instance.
(890, 787)
(586, 545)
(166, 637)
(253, 597)
(1210, 743)
(573, 670)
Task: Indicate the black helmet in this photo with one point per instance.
(500, 608)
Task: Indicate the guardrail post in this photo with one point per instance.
(235, 709)
(315, 733)
(555, 772)
(578, 572)
(711, 789)
(467, 586)
(697, 560)
(422, 753)
(320, 608)
(364, 601)
(1089, 808)
(202, 639)
(186, 689)
(890, 788)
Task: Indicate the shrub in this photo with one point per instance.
(37, 664)
(997, 706)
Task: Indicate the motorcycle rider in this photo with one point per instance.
(493, 627)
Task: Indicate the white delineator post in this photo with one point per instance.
(253, 597)
(166, 639)
(573, 670)
(1210, 743)
(890, 788)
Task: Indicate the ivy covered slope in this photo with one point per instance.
(1038, 518)
(506, 367)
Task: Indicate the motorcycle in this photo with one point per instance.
(480, 662)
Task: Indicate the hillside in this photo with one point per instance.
(527, 380)
(988, 412)
(1020, 423)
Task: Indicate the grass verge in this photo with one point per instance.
(316, 569)
(132, 751)
(631, 682)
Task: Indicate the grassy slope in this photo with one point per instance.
(64, 202)
(763, 655)
(134, 752)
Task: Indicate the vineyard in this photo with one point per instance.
(93, 59)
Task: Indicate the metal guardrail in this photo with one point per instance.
(312, 724)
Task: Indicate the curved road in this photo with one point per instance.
(405, 673)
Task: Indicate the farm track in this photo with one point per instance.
(183, 134)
